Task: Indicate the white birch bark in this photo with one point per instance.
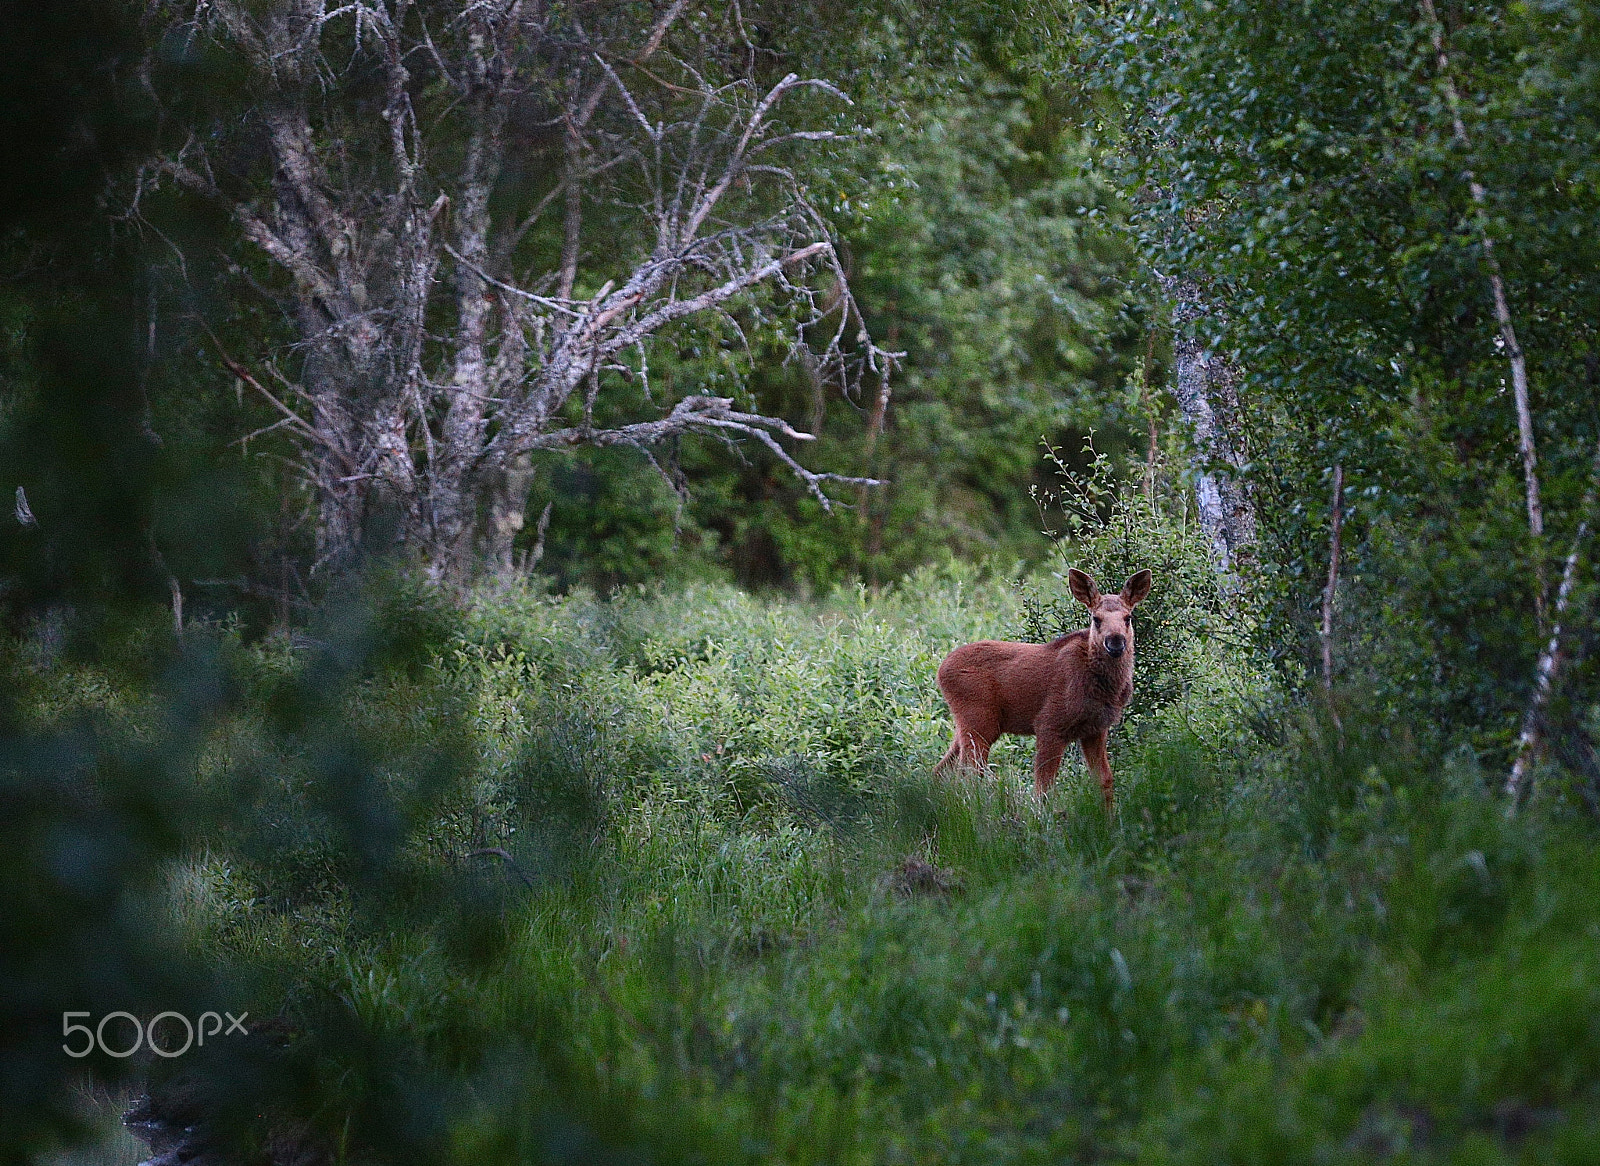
(1497, 289)
(1205, 385)
(1519, 780)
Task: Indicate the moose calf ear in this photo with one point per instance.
(1083, 588)
(1136, 588)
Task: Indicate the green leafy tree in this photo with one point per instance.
(1351, 194)
(973, 221)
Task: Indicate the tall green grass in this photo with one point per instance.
(666, 877)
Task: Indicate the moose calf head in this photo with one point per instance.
(1110, 616)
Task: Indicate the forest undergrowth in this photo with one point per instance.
(666, 877)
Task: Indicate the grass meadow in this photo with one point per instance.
(666, 877)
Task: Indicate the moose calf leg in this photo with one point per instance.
(1047, 762)
(968, 750)
(1094, 756)
(975, 749)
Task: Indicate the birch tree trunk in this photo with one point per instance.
(1531, 738)
(1502, 312)
(1206, 386)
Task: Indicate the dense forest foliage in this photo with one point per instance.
(490, 485)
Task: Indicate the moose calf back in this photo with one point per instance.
(998, 683)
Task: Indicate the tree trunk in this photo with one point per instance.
(505, 515)
(340, 517)
(1532, 735)
(1331, 590)
(1206, 387)
(1497, 290)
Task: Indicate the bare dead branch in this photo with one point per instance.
(678, 309)
(703, 413)
(437, 388)
(290, 417)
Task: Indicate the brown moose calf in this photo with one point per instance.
(1071, 689)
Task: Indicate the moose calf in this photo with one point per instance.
(1071, 689)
